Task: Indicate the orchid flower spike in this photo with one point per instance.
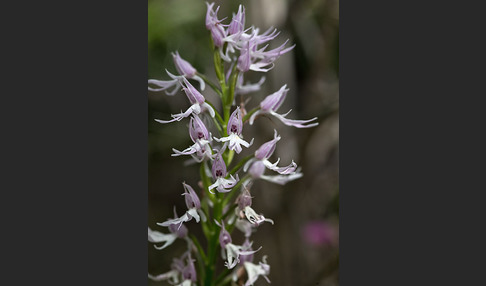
(201, 137)
(198, 104)
(193, 205)
(234, 129)
(219, 173)
(270, 105)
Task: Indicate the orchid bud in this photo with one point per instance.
(192, 200)
(273, 101)
(219, 168)
(197, 129)
(267, 149)
(192, 93)
(235, 123)
(183, 67)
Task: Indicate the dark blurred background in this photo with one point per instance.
(303, 245)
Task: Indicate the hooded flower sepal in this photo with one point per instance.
(270, 105)
(219, 173)
(186, 69)
(254, 271)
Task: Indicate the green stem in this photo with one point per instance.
(225, 281)
(213, 244)
(240, 164)
(199, 248)
(222, 276)
(247, 116)
(218, 121)
(210, 83)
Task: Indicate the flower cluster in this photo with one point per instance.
(222, 201)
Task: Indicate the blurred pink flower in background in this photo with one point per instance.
(318, 233)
